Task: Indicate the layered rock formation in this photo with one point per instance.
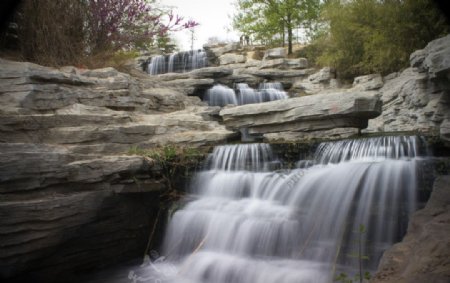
(304, 114)
(418, 98)
(71, 197)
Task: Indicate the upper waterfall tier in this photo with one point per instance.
(177, 62)
(220, 95)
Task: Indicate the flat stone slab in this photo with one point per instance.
(309, 113)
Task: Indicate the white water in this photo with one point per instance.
(220, 95)
(246, 224)
(177, 62)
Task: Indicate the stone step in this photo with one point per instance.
(49, 121)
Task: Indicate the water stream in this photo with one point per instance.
(248, 221)
(221, 95)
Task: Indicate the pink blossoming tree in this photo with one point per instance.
(129, 24)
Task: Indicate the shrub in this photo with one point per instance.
(371, 36)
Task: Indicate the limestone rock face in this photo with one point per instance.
(229, 48)
(445, 132)
(71, 198)
(59, 211)
(227, 59)
(422, 256)
(418, 99)
(275, 53)
(309, 113)
(411, 102)
(297, 63)
(313, 136)
(434, 58)
(273, 63)
(368, 82)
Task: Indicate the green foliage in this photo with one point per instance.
(174, 161)
(270, 21)
(344, 278)
(371, 36)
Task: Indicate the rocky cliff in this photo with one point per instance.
(71, 197)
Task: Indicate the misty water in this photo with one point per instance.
(221, 95)
(247, 220)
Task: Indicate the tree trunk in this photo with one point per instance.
(290, 36)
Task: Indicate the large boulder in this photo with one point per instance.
(275, 53)
(320, 81)
(309, 113)
(434, 58)
(368, 82)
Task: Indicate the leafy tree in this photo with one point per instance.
(367, 36)
(265, 19)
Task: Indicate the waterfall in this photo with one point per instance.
(246, 223)
(272, 91)
(157, 65)
(247, 95)
(177, 62)
(220, 95)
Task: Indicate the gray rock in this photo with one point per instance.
(422, 255)
(297, 63)
(275, 53)
(368, 82)
(276, 74)
(434, 58)
(211, 72)
(101, 73)
(231, 47)
(314, 136)
(411, 102)
(445, 132)
(308, 113)
(279, 63)
(231, 58)
(323, 75)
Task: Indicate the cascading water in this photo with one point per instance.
(272, 91)
(177, 62)
(246, 223)
(220, 95)
(247, 95)
(157, 65)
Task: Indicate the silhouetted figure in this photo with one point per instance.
(247, 39)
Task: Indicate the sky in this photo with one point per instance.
(213, 16)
